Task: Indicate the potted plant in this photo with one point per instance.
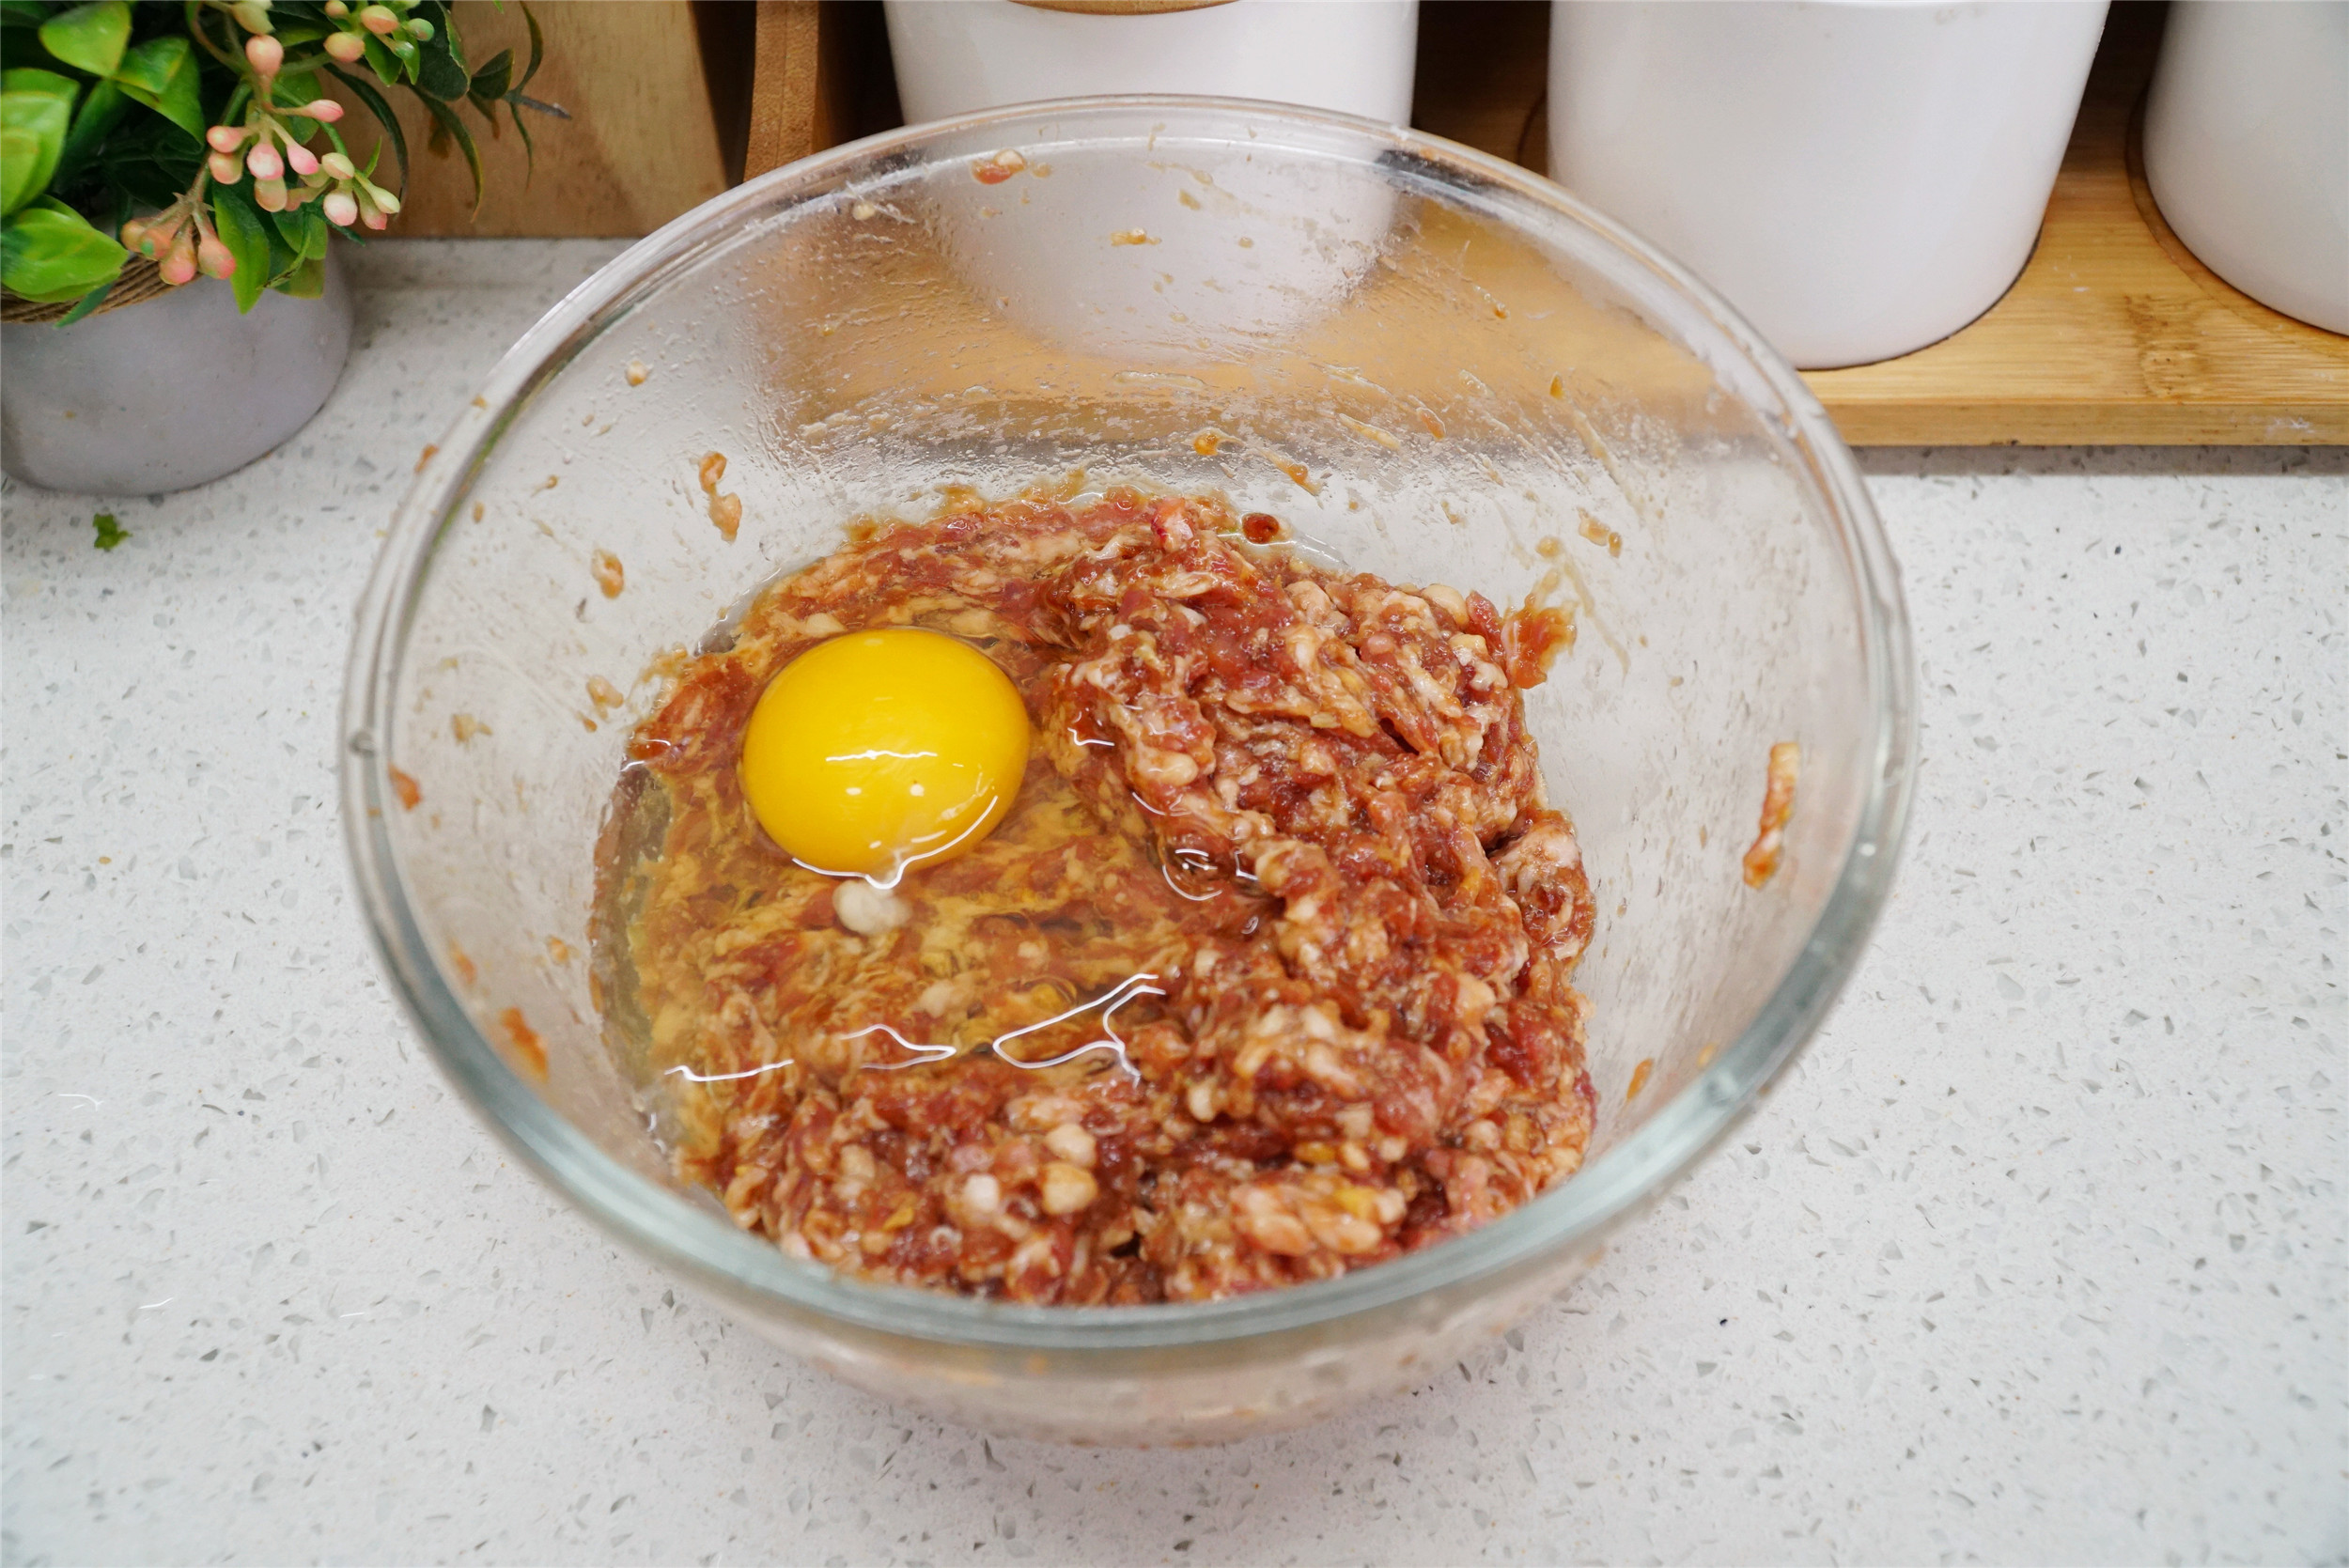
(171, 175)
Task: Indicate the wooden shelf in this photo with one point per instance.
(2114, 334)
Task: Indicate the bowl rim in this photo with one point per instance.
(673, 1229)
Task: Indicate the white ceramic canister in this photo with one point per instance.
(1858, 179)
(168, 393)
(1132, 258)
(2247, 148)
(953, 56)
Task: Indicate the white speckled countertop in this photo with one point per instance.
(2038, 1255)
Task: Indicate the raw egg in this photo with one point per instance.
(877, 751)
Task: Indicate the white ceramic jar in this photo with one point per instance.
(1131, 256)
(953, 56)
(2247, 148)
(1858, 179)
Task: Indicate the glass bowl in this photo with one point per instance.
(1429, 363)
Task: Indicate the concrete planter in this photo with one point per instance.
(170, 392)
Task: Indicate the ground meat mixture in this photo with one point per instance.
(1263, 979)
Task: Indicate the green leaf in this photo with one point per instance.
(147, 162)
(50, 254)
(294, 88)
(446, 122)
(294, 229)
(445, 30)
(439, 71)
(36, 110)
(364, 92)
(489, 82)
(89, 37)
(47, 84)
(283, 257)
(100, 113)
(530, 148)
(110, 533)
(243, 228)
(89, 303)
(538, 48)
(23, 13)
(392, 62)
(305, 281)
(163, 73)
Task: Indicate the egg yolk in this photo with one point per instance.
(877, 751)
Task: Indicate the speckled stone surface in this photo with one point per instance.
(2037, 1256)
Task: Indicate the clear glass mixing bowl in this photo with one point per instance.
(1432, 364)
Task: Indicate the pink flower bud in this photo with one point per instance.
(225, 167)
(301, 159)
(132, 232)
(342, 208)
(157, 241)
(384, 199)
(178, 267)
(213, 257)
(419, 29)
(270, 194)
(336, 10)
(373, 218)
(339, 165)
(379, 20)
(264, 162)
(264, 53)
(324, 110)
(346, 47)
(225, 138)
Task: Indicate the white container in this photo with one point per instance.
(1859, 179)
(171, 392)
(953, 56)
(1129, 252)
(1122, 259)
(2247, 148)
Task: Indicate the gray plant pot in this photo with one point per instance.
(170, 392)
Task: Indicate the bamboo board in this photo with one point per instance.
(2114, 334)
